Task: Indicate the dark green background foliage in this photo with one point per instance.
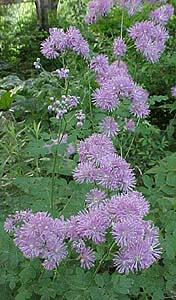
(26, 166)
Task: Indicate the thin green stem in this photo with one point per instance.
(132, 141)
(121, 26)
(52, 204)
(52, 181)
(90, 104)
(101, 261)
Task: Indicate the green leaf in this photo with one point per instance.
(171, 179)
(122, 284)
(23, 294)
(5, 293)
(99, 280)
(148, 181)
(96, 293)
(5, 101)
(12, 283)
(27, 274)
(160, 179)
(66, 167)
(154, 99)
(171, 162)
(37, 147)
(170, 246)
(158, 295)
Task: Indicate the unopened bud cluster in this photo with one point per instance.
(37, 64)
(80, 117)
(61, 107)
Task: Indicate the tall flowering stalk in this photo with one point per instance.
(112, 204)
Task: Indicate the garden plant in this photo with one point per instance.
(88, 177)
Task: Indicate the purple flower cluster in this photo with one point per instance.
(150, 39)
(59, 41)
(39, 235)
(99, 63)
(131, 6)
(162, 14)
(136, 238)
(119, 47)
(99, 163)
(98, 8)
(115, 84)
(109, 127)
(95, 197)
(12, 223)
(130, 125)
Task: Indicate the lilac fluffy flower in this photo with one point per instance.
(137, 239)
(55, 255)
(115, 173)
(117, 68)
(95, 198)
(56, 42)
(140, 255)
(130, 125)
(149, 39)
(109, 127)
(98, 8)
(14, 222)
(76, 41)
(9, 225)
(85, 171)
(127, 232)
(151, 233)
(173, 91)
(139, 106)
(87, 258)
(72, 101)
(92, 224)
(42, 237)
(162, 14)
(105, 98)
(99, 63)
(101, 164)
(123, 85)
(63, 73)
(72, 232)
(48, 49)
(124, 207)
(59, 41)
(131, 6)
(95, 147)
(115, 83)
(140, 109)
(119, 47)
